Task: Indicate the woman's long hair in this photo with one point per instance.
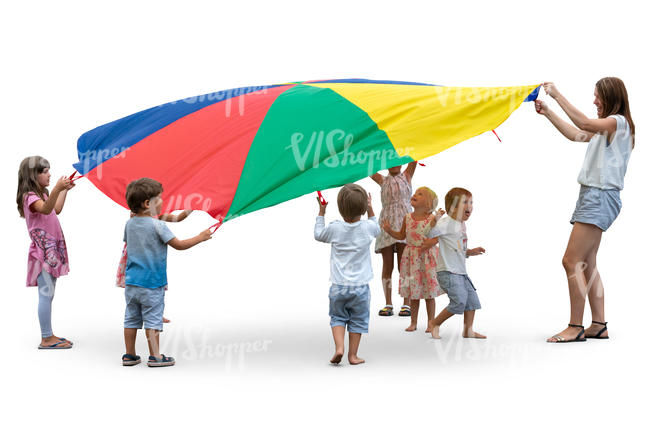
(613, 95)
(28, 173)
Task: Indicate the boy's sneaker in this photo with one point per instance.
(163, 361)
(129, 360)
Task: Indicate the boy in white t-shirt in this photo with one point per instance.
(350, 267)
(452, 275)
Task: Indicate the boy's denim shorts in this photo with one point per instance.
(597, 206)
(461, 292)
(350, 305)
(144, 305)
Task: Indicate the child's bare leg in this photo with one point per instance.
(443, 316)
(355, 339)
(129, 340)
(400, 249)
(431, 313)
(338, 332)
(468, 322)
(415, 307)
(153, 340)
(387, 272)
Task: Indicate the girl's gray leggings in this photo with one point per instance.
(46, 285)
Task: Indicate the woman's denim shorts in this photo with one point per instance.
(597, 206)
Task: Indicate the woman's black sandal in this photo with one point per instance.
(602, 330)
(579, 338)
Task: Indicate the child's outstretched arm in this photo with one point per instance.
(474, 252)
(433, 237)
(52, 203)
(190, 242)
(374, 228)
(378, 178)
(436, 216)
(371, 212)
(175, 217)
(322, 233)
(397, 235)
(60, 201)
(410, 170)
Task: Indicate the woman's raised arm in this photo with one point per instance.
(591, 125)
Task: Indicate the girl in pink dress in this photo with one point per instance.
(417, 278)
(395, 195)
(48, 257)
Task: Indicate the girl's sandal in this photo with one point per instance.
(58, 345)
(579, 338)
(405, 311)
(386, 311)
(599, 334)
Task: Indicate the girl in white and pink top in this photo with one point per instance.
(48, 257)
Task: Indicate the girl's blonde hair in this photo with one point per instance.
(433, 198)
(28, 173)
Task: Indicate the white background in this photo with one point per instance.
(261, 283)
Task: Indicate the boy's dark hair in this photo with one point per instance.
(141, 190)
(352, 201)
(453, 197)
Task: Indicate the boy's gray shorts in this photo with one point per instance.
(461, 292)
(144, 306)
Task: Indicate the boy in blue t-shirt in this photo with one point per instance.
(146, 239)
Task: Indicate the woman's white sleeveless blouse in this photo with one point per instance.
(605, 163)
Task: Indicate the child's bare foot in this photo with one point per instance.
(338, 356)
(435, 331)
(471, 334)
(355, 360)
(411, 327)
(429, 327)
(165, 320)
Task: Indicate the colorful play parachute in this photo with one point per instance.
(236, 151)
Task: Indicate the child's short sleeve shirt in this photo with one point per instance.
(452, 236)
(146, 245)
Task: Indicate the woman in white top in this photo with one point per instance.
(611, 140)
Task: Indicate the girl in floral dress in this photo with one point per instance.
(395, 195)
(417, 278)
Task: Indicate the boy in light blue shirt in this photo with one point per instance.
(350, 267)
(146, 240)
